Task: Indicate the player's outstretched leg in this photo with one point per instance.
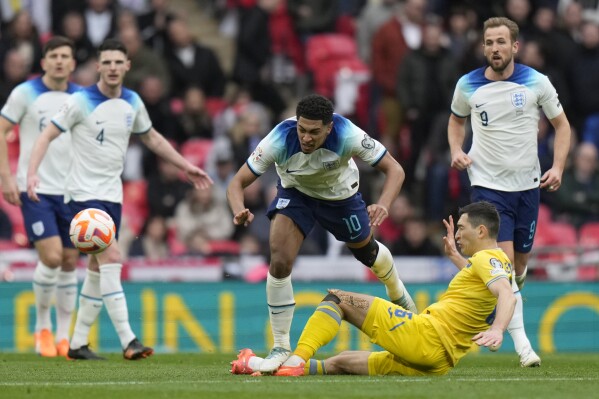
(528, 357)
(66, 298)
(44, 288)
(247, 362)
(385, 270)
(281, 305)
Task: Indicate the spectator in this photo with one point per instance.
(392, 228)
(165, 190)
(577, 201)
(252, 126)
(153, 92)
(415, 240)
(194, 121)
(373, 15)
(152, 242)
(73, 27)
(312, 16)
(152, 25)
(203, 209)
(100, 21)
(22, 37)
(253, 56)
(429, 69)
(192, 64)
(144, 61)
(14, 71)
(389, 46)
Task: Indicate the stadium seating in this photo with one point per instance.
(135, 204)
(588, 241)
(196, 151)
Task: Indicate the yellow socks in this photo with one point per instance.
(320, 329)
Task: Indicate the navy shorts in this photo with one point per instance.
(48, 218)
(346, 219)
(112, 208)
(518, 213)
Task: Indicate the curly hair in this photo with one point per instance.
(315, 107)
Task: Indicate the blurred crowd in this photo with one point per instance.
(389, 65)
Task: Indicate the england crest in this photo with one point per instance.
(519, 99)
(38, 228)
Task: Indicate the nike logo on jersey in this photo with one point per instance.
(479, 105)
(292, 171)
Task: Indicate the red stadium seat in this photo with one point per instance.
(215, 105)
(588, 270)
(545, 214)
(196, 151)
(589, 235)
(135, 204)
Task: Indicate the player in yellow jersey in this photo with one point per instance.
(476, 308)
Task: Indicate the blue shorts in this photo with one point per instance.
(346, 219)
(48, 218)
(518, 213)
(112, 208)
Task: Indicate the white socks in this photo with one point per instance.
(516, 325)
(44, 287)
(281, 305)
(116, 303)
(66, 297)
(90, 305)
(385, 270)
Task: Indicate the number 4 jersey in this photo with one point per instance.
(100, 129)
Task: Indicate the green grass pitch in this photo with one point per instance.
(203, 376)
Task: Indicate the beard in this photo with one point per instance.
(501, 67)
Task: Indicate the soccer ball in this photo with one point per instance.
(92, 231)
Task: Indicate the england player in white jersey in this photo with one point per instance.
(31, 105)
(319, 182)
(503, 102)
(101, 119)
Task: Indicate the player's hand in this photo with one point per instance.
(11, 191)
(33, 181)
(244, 217)
(198, 177)
(449, 245)
(492, 338)
(551, 180)
(377, 213)
(460, 160)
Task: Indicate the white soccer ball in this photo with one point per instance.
(92, 231)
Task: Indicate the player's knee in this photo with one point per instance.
(69, 260)
(368, 253)
(51, 258)
(280, 267)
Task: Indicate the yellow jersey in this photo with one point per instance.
(468, 306)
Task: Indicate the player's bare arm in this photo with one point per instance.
(450, 248)
(161, 147)
(394, 178)
(506, 302)
(7, 180)
(243, 178)
(38, 152)
(456, 133)
(552, 179)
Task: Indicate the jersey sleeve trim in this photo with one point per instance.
(252, 169)
(379, 159)
(62, 129)
(8, 119)
(145, 131)
(458, 115)
(495, 279)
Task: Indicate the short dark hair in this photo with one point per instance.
(113, 44)
(56, 42)
(315, 107)
(496, 22)
(484, 213)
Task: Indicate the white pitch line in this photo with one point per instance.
(303, 381)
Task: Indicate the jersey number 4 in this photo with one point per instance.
(100, 136)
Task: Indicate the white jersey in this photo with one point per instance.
(100, 129)
(328, 173)
(31, 105)
(505, 116)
